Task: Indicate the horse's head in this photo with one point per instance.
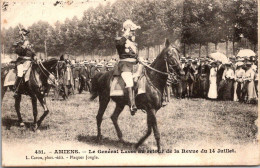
(172, 57)
(53, 66)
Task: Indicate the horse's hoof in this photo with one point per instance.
(34, 128)
(121, 140)
(136, 146)
(99, 138)
(21, 124)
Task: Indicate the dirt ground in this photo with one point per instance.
(182, 123)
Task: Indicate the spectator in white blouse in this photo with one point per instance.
(228, 77)
(238, 81)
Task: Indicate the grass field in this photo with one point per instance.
(181, 122)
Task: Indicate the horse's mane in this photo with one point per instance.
(158, 57)
(50, 62)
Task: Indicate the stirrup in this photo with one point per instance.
(164, 103)
(133, 109)
(15, 94)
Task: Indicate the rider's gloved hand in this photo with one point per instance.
(140, 59)
(126, 33)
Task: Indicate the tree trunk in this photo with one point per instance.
(233, 46)
(147, 52)
(190, 50)
(45, 47)
(200, 50)
(3, 50)
(184, 51)
(226, 47)
(207, 50)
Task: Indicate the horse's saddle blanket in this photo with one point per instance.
(117, 86)
(12, 74)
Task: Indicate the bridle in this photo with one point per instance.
(43, 70)
(167, 73)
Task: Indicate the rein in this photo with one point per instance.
(148, 66)
(41, 66)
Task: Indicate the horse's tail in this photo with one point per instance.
(95, 86)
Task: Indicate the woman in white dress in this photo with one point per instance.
(250, 84)
(213, 94)
(238, 84)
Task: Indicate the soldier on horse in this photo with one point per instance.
(25, 56)
(127, 50)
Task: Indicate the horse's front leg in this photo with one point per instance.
(149, 130)
(119, 108)
(155, 129)
(191, 89)
(35, 112)
(42, 100)
(18, 99)
(188, 90)
(3, 90)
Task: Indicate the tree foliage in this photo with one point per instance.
(191, 21)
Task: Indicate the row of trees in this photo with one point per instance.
(192, 21)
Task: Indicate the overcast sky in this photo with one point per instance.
(28, 12)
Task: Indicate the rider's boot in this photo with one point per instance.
(133, 107)
(16, 86)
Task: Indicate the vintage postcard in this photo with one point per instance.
(129, 83)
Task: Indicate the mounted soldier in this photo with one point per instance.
(26, 54)
(127, 50)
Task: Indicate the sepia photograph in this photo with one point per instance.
(129, 83)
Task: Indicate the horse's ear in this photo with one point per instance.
(62, 57)
(177, 44)
(167, 43)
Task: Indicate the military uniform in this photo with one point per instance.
(25, 53)
(127, 50)
(128, 57)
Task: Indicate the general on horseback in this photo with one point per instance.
(30, 77)
(146, 94)
(26, 54)
(127, 50)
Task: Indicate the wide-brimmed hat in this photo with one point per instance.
(212, 62)
(202, 59)
(240, 59)
(129, 24)
(248, 63)
(239, 64)
(228, 63)
(99, 65)
(252, 58)
(24, 31)
(183, 60)
(109, 65)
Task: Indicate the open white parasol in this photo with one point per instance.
(246, 53)
(219, 57)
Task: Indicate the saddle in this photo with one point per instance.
(117, 84)
(12, 75)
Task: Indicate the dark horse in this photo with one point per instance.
(151, 101)
(35, 87)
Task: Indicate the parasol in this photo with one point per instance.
(246, 53)
(6, 60)
(219, 57)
